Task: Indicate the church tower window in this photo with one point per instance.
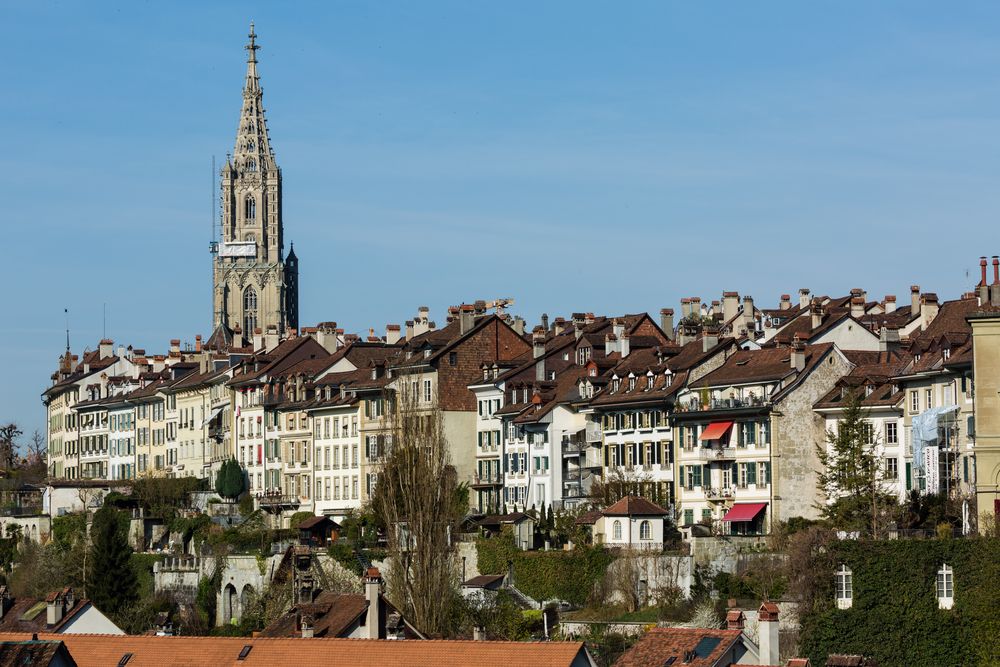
(249, 310)
(251, 165)
(251, 208)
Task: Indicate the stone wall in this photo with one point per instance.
(797, 432)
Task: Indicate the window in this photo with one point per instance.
(929, 398)
(891, 434)
(845, 587)
(616, 530)
(945, 587)
(914, 402)
(251, 165)
(645, 530)
(249, 310)
(427, 391)
(688, 517)
(892, 469)
(250, 208)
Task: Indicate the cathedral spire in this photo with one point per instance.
(253, 81)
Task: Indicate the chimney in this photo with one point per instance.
(748, 314)
(197, 343)
(786, 302)
(995, 287)
(730, 304)
(685, 307)
(914, 300)
(258, 340)
(803, 298)
(667, 322)
(421, 324)
(928, 309)
(735, 620)
(623, 345)
(709, 340)
(618, 328)
(478, 633)
(392, 334)
(107, 347)
(271, 338)
(54, 608)
(466, 318)
(889, 305)
(409, 329)
(373, 589)
(537, 342)
(518, 325)
(767, 634)
(888, 338)
(610, 343)
(558, 325)
(545, 322)
(307, 626)
(982, 271)
(816, 311)
(798, 354)
(857, 307)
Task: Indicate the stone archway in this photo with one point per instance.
(230, 605)
(246, 598)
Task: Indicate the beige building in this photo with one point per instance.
(255, 286)
(986, 344)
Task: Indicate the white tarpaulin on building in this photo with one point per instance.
(238, 249)
(924, 432)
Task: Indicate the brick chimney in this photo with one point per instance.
(786, 302)
(995, 286)
(373, 591)
(767, 634)
(804, 298)
(914, 300)
(798, 354)
(197, 343)
(667, 322)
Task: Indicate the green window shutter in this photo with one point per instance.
(706, 476)
(639, 453)
(751, 473)
(680, 475)
(688, 517)
(697, 475)
(765, 467)
(607, 456)
(965, 468)
(909, 475)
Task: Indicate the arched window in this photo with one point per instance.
(251, 145)
(645, 530)
(845, 587)
(250, 127)
(251, 165)
(616, 530)
(249, 310)
(945, 587)
(251, 208)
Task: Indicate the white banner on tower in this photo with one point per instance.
(239, 249)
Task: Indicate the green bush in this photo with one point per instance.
(894, 617)
(546, 575)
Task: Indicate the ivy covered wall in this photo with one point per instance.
(895, 616)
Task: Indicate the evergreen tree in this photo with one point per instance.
(112, 585)
(229, 481)
(850, 475)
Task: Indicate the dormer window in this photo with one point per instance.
(947, 352)
(615, 384)
(427, 353)
(649, 381)
(631, 383)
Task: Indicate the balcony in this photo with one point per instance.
(592, 433)
(487, 480)
(720, 495)
(571, 448)
(276, 502)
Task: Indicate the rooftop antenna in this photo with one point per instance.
(66, 314)
(105, 321)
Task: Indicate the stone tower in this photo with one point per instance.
(255, 287)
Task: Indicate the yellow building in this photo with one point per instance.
(986, 364)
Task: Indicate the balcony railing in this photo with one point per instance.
(573, 447)
(490, 479)
(592, 432)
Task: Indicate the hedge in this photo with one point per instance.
(545, 575)
(894, 616)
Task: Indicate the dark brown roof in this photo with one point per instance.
(764, 365)
(313, 521)
(483, 581)
(35, 653)
(29, 615)
(635, 506)
(659, 645)
(333, 615)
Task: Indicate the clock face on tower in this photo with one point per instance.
(255, 288)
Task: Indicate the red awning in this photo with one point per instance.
(715, 430)
(744, 511)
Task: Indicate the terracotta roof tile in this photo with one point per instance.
(658, 645)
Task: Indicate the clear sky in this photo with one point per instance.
(576, 156)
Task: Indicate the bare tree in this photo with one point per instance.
(418, 501)
(617, 484)
(9, 433)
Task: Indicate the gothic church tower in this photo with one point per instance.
(254, 286)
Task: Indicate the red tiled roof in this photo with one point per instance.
(635, 506)
(153, 651)
(658, 645)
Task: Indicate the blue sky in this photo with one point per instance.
(607, 157)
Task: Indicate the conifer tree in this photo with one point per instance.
(112, 585)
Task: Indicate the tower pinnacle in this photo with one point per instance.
(253, 82)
